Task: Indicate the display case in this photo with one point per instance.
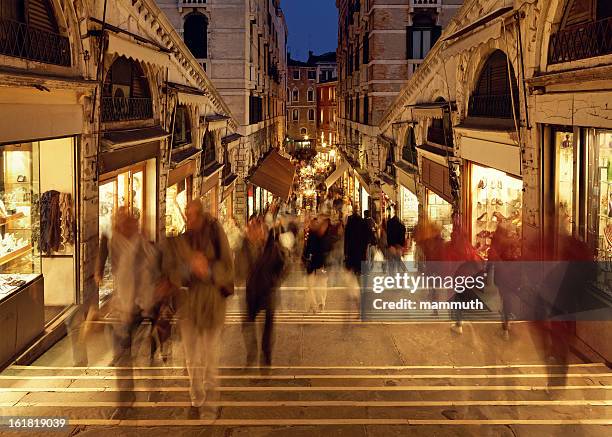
(496, 198)
(177, 196)
(18, 216)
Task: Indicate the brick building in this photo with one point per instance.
(380, 45)
(301, 105)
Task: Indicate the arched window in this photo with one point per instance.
(295, 96)
(304, 131)
(496, 89)
(30, 31)
(182, 127)
(390, 161)
(196, 35)
(440, 129)
(126, 94)
(209, 154)
(409, 151)
(311, 115)
(310, 95)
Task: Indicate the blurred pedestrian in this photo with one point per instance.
(395, 234)
(261, 295)
(201, 260)
(316, 251)
(356, 241)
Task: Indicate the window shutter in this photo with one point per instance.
(40, 15)
(409, 54)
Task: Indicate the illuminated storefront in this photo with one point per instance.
(177, 197)
(38, 237)
(440, 212)
(496, 197)
(409, 207)
(133, 185)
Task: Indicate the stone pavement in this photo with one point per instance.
(332, 375)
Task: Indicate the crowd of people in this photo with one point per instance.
(191, 276)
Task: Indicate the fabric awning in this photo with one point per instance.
(230, 138)
(215, 121)
(337, 174)
(133, 50)
(433, 110)
(275, 174)
(179, 157)
(130, 137)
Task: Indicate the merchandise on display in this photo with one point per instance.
(496, 198)
(13, 282)
(440, 212)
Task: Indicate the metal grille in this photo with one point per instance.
(493, 106)
(581, 42)
(22, 41)
(124, 108)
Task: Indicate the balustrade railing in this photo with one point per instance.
(581, 42)
(22, 41)
(420, 3)
(493, 106)
(125, 108)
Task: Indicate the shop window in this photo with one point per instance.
(583, 33)
(177, 197)
(126, 94)
(440, 212)
(209, 156)
(600, 195)
(496, 90)
(421, 36)
(409, 151)
(122, 189)
(409, 207)
(182, 127)
(196, 35)
(23, 23)
(311, 115)
(496, 198)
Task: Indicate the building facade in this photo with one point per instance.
(380, 45)
(507, 120)
(301, 106)
(242, 46)
(112, 111)
(326, 113)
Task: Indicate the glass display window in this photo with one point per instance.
(177, 196)
(440, 212)
(409, 207)
(566, 182)
(19, 229)
(496, 197)
(125, 188)
(600, 184)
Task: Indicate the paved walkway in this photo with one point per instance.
(332, 375)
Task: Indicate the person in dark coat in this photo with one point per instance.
(316, 252)
(261, 295)
(356, 241)
(396, 240)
